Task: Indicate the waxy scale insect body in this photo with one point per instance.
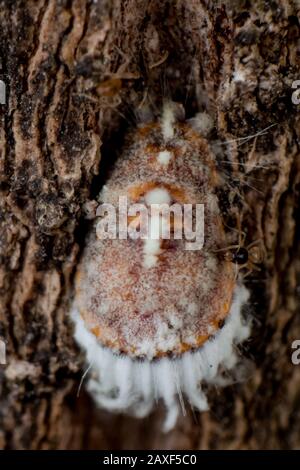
(156, 319)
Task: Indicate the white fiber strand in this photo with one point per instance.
(123, 384)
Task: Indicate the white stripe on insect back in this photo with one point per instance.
(164, 157)
(158, 225)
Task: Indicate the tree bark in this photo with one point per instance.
(76, 72)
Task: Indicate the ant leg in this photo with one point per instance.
(242, 235)
(256, 242)
(247, 273)
(237, 270)
(230, 247)
(256, 268)
(251, 267)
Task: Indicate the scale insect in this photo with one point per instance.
(158, 320)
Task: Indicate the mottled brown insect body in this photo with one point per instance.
(164, 299)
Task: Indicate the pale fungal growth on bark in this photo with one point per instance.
(158, 320)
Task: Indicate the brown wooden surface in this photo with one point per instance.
(73, 70)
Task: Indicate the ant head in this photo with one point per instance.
(256, 254)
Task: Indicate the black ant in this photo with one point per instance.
(244, 256)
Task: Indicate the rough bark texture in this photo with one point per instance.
(73, 70)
